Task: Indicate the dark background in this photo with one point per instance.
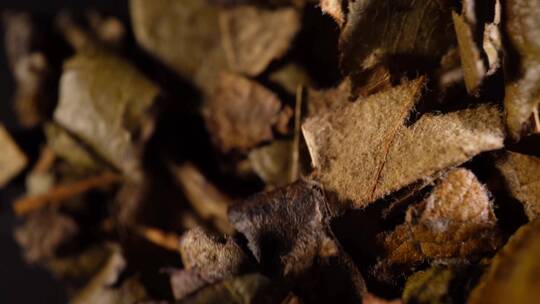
(19, 282)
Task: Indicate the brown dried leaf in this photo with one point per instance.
(321, 101)
(288, 232)
(522, 97)
(251, 288)
(43, 233)
(212, 258)
(380, 28)
(440, 284)
(241, 113)
(273, 162)
(70, 150)
(479, 58)
(105, 102)
(334, 8)
(513, 276)
(369, 298)
(208, 202)
(252, 37)
(290, 77)
(455, 223)
(104, 287)
(363, 150)
(182, 34)
(522, 175)
(207, 260)
(12, 159)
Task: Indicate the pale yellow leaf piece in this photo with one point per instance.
(363, 150)
(12, 159)
(455, 223)
(522, 175)
(253, 37)
(522, 97)
(105, 101)
(273, 162)
(514, 275)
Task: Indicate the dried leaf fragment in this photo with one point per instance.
(207, 260)
(514, 273)
(12, 159)
(105, 101)
(377, 29)
(522, 175)
(251, 288)
(182, 34)
(43, 233)
(363, 150)
(522, 96)
(252, 37)
(288, 233)
(455, 223)
(273, 162)
(207, 200)
(241, 113)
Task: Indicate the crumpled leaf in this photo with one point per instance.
(321, 101)
(207, 260)
(376, 29)
(251, 288)
(363, 151)
(513, 274)
(105, 102)
(12, 159)
(522, 96)
(241, 113)
(455, 223)
(207, 200)
(252, 37)
(182, 34)
(108, 287)
(43, 233)
(522, 175)
(288, 233)
(479, 58)
(440, 284)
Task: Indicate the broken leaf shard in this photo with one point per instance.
(522, 176)
(105, 101)
(253, 37)
(363, 151)
(241, 113)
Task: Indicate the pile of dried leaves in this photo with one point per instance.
(281, 151)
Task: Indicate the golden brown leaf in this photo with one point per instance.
(513, 276)
(363, 151)
(522, 175)
(455, 223)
